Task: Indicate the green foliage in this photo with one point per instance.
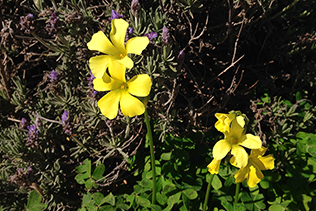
(34, 202)
(85, 175)
(96, 201)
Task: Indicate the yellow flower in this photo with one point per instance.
(256, 163)
(224, 120)
(115, 50)
(234, 141)
(213, 167)
(122, 93)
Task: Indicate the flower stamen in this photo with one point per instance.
(124, 86)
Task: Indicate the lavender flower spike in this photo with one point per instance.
(165, 35)
(115, 15)
(152, 35)
(32, 136)
(23, 122)
(135, 7)
(64, 117)
(53, 76)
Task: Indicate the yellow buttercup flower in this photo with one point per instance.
(213, 167)
(256, 163)
(234, 141)
(122, 93)
(225, 120)
(116, 51)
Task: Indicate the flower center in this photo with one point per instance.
(122, 55)
(234, 140)
(124, 86)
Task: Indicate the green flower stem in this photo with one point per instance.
(152, 156)
(236, 193)
(208, 192)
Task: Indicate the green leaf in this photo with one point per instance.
(174, 199)
(258, 200)
(216, 183)
(226, 202)
(34, 198)
(166, 156)
(146, 183)
(142, 201)
(247, 200)
(80, 178)
(306, 199)
(90, 183)
(38, 207)
(155, 207)
(190, 193)
(276, 207)
(97, 197)
(161, 198)
(239, 207)
(311, 144)
(110, 198)
(298, 96)
(98, 171)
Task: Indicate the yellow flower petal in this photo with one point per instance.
(100, 85)
(251, 142)
(224, 121)
(267, 161)
(109, 103)
(213, 167)
(236, 130)
(221, 148)
(98, 65)
(117, 34)
(131, 106)
(99, 42)
(117, 71)
(241, 174)
(136, 45)
(241, 121)
(254, 176)
(139, 85)
(240, 155)
(126, 61)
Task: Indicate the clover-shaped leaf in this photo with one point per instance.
(84, 175)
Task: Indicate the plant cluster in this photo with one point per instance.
(109, 105)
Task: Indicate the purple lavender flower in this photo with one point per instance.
(23, 123)
(115, 15)
(165, 35)
(51, 23)
(129, 33)
(66, 123)
(135, 7)
(90, 79)
(26, 23)
(152, 35)
(53, 76)
(64, 117)
(29, 169)
(32, 136)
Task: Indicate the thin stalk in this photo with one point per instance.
(236, 193)
(53, 48)
(152, 156)
(208, 192)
